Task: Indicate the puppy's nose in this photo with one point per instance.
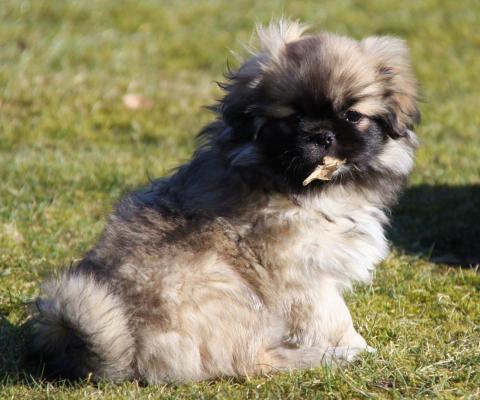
(324, 139)
(329, 137)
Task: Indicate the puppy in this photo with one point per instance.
(234, 265)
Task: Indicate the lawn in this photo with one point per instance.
(69, 148)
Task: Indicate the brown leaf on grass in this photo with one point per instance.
(21, 45)
(134, 101)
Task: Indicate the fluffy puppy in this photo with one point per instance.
(231, 266)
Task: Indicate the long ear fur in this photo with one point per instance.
(392, 60)
(239, 104)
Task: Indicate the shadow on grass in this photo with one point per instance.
(441, 223)
(15, 366)
(11, 347)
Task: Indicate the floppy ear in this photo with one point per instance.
(244, 88)
(392, 60)
(239, 104)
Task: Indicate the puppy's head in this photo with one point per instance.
(301, 98)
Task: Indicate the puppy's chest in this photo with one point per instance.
(334, 238)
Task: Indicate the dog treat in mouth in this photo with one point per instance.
(324, 171)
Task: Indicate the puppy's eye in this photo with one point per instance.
(294, 118)
(352, 116)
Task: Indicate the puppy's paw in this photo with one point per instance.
(347, 354)
(371, 350)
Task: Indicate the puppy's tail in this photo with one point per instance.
(80, 329)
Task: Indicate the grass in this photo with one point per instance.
(69, 148)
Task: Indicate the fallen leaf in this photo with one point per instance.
(134, 101)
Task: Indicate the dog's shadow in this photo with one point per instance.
(15, 366)
(440, 223)
(11, 348)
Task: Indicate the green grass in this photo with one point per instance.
(69, 148)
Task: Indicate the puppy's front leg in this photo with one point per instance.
(322, 319)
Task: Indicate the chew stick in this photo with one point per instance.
(324, 171)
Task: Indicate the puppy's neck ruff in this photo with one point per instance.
(336, 233)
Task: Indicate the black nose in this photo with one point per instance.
(329, 137)
(324, 139)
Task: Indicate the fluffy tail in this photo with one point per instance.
(80, 329)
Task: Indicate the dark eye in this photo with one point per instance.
(352, 116)
(294, 118)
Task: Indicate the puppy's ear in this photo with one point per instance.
(242, 105)
(394, 73)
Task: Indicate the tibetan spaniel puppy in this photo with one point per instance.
(235, 264)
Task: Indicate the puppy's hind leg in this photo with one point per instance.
(285, 357)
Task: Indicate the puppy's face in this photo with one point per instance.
(303, 98)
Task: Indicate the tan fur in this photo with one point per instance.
(391, 59)
(276, 35)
